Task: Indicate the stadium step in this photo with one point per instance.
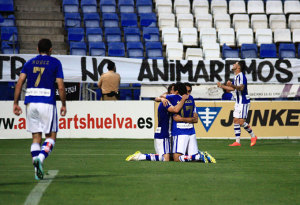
(40, 3)
(32, 45)
(45, 15)
(39, 23)
(40, 30)
(34, 51)
(36, 38)
(25, 8)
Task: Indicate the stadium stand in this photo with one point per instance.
(180, 22)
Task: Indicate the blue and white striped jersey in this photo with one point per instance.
(42, 72)
(242, 97)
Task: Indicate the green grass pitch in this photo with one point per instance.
(94, 171)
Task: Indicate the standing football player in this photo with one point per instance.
(242, 104)
(41, 73)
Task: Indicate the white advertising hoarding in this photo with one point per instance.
(88, 119)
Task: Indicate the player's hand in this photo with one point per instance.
(63, 111)
(17, 110)
(229, 83)
(164, 101)
(219, 84)
(185, 96)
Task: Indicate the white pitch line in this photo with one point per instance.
(37, 192)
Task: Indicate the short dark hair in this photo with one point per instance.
(111, 66)
(181, 88)
(189, 85)
(44, 45)
(170, 87)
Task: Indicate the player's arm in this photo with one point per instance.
(18, 89)
(236, 87)
(62, 95)
(161, 97)
(193, 119)
(226, 87)
(178, 107)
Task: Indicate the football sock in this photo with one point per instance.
(153, 157)
(35, 150)
(237, 132)
(190, 158)
(248, 129)
(46, 149)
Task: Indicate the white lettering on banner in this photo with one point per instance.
(89, 69)
(38, 92)
(182, 125)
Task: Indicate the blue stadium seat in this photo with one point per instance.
(135, 50)
(298, 50)
(9, 48)
(78, 48)
(150, 34)
(268, 51)
(70, 6)
(97, 49)
(9, 34)
(94, 34)
(75, 35)
(107, 6)
(154, 50)
(110, 20)
(72, 20)
(126, 6)
(91, 20)
(249, 51)
(144, 6)
(287, 50)
(132, 34)
(148, 20)
(129, 20)
(228, 52)
(7, 6)
(116, 49)
(9, 21)
(89, 6)
(113, 35)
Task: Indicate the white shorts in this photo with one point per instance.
(41, 117)
(185, 144)
(162, 146)
(241, 110)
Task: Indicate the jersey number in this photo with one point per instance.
(188, 109)
(41, 70)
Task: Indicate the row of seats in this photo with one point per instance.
(151, 50)
(108, 6)
(231, 7)
(189, 36)
(246, 51)
(92, 20)
(218, 21)
(8, 29)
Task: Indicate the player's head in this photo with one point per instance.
(180, 88)
(111, 66)
(188, 87)
(45, 46)
(171, 88)
(236, 67)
